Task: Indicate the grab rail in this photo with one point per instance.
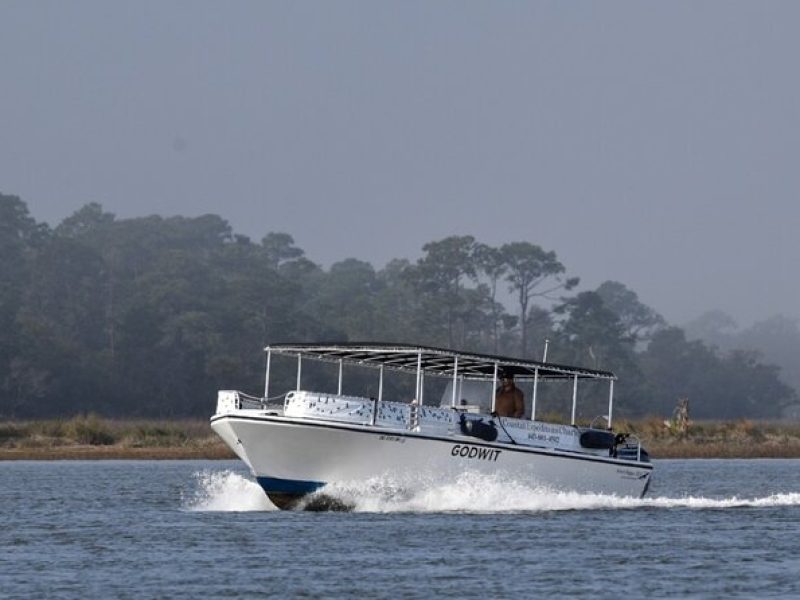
(631, 441)
(228, 400)
(245, 401)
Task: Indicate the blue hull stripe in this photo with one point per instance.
(289, 486)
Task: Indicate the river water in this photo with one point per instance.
(197, 529)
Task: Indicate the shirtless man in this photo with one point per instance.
(509, 401)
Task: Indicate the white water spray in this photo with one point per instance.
(225, 491)
(469, 493)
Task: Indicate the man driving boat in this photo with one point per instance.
(508, 400)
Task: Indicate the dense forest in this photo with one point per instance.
(776, 339)
(150, 316)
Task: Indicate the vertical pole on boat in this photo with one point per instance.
(413, 412)
(266, 377)
(574, 397)
(299, 370)
(535, 386)
(494, 385)
(419, 376)
(340, 377)
(380, 397)
(610, 401)
(455, 382)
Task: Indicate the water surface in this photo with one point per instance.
(195, 529)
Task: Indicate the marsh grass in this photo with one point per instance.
(742, 438)
(95, 432)
(92, 436)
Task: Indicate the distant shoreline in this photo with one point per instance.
(115, 453)
(656, 451)
(692, 450)
(95, 438)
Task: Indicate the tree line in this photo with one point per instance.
(776, 339)
(150, 316)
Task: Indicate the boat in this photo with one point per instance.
(306, 440)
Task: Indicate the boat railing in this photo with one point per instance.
(439, 420)
(329, 407)
(413, 415)
(369, 411)
(631, 449)
(249, 402)
(635, 440)
(230, 400)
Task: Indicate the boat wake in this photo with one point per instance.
(218, 491)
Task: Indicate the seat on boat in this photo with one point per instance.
(478, 428)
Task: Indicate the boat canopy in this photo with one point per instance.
(409, 358)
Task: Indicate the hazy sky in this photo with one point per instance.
(653, 143)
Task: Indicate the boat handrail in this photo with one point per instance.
(413, 415)
(381, 413)
(288, 396)
(228, 400)
(635, 439)
(629, 442)
(247, 401)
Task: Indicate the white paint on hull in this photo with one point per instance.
(306, 450)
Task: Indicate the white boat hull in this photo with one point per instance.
(292, 457)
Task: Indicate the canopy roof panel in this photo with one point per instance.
(434, 361)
